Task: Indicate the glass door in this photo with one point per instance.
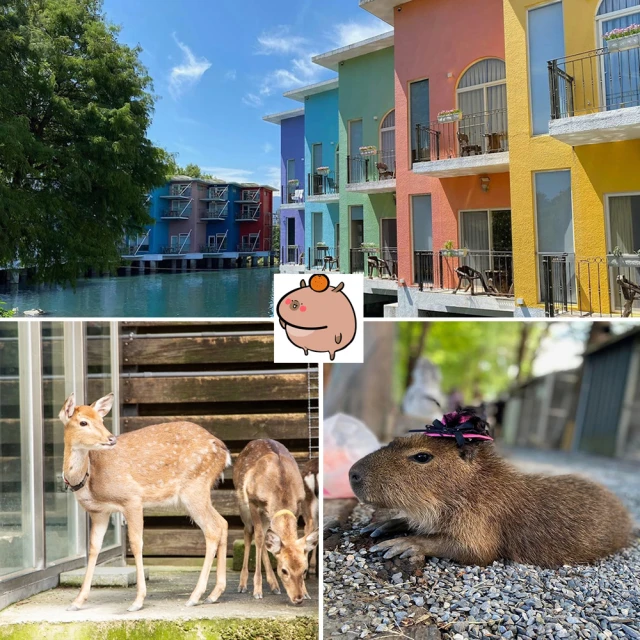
(292, 249)
(356, 238)
(316, 161)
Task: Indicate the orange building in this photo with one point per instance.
(453, 196)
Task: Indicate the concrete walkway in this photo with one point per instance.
(167, 592)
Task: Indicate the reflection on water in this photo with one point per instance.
(239, 293)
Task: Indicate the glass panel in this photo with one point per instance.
(317, 156)
(291, 170)
(609, 6)
(624, 236)
(422, 226)
(622, 69)
(475, 237)
(501, 239)
(419, 110)
(15, 476)
(60, 505)
(389, 234)
(490, 70)
(317, 228)
(99, 383)
(546, 42)
(355, 137)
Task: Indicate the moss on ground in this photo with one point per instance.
(219, 629)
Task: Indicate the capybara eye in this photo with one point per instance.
(294, 305)
(83, 423)
(422, 458)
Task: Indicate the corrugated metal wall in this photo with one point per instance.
(222, 377)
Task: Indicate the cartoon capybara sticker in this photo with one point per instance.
(318, 317)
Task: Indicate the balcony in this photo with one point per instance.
(381, 263)
(250, 196)
(177, 250)
(595, 97)
(175, 214)
(292, 196)
(322, 187)
(215, 213)
(216, 194)
(248, 213)
(474, 145)
(486, 273)
(323, 258)
(178, 192)
(291, 254)
(372, 172)
(215, 247)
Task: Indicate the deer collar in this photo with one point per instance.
(76, 487)
(284, 512)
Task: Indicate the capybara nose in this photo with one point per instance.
(355, 477)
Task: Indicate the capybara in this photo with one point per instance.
(461, 500)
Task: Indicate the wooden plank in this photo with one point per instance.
(180, 542)
(201, 350)
(10, 392)
(250, 426)
(249, 388)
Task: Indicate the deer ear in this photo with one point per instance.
(303, 284)
(103, 406)
(67, 409)
(311, 541)
(273, 542)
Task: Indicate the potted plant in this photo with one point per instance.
(369, 150)
(618, 259)
(322, 245)
(623, 39)
(450, 115)
(369, 247)
(323, 171)
(450, 252)
(294, 183)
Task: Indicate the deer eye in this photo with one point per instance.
(421, 458)
(285, 572)
(84, 423)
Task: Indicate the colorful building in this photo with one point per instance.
(367, 151)
(321, 141)
(199, 220)
(291, 218)
(574, 119)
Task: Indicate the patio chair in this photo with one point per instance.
(494, 142)
(299, 195)
(466, 148)
(630, 290)
(330, 261)
(373, 262)
(384, 173)
(471, 275)
(331, 185)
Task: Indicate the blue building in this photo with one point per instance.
(321, 136)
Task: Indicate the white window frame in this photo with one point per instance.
(384, 129)
(484, 86)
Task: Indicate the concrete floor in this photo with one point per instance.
(168, 590)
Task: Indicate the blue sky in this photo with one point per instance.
(218, 66)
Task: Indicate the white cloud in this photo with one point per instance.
(232, 74)
(280, 42)
(252, 100)
(188, 73)
(347, 33)
(267, 147)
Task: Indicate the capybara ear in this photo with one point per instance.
(303, 284)
(340, 287)
(469, 450)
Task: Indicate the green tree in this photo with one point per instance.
(75, 160)
(194, 171)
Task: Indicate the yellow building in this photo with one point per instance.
(575, 177)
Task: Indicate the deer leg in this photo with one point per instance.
(198, 505)
(99, 524)
(245, 514)
(259, 533)
(268, 569)
(135, 525)
(221, 569)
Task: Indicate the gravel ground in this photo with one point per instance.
(365, 595)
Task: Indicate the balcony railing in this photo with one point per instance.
(475, 272)
(323, 257)
(250, 195)
(248, 246)
(182, 214)
(216, 247)
(291, 254)
(473, 135)
(177, 250)
(249, 214)
(217, 193)
(133, 249)
(215, 213)
(180, 191)
(322, 184)
(371, 168)
(374, 262)
(292, 194)
(599, 80)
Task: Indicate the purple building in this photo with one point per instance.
(293, 184)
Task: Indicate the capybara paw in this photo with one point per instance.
(404, 547)
(379, 529)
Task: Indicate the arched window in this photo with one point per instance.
(388, 137)
(482, 98)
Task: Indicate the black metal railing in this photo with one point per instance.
(215, 213)
(215, 247)
(557, 282)
(177, 250)
(177, 214)
(247, 215)
(325, 184)
(475, 272)
(292, 194)
(371, 168)
(323, 257)
(600, 80)
(472, 135)
(356, 261)
(248, 246)
(291, 254)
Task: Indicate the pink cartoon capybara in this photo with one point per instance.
(318, 317)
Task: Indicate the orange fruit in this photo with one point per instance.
(319, 282)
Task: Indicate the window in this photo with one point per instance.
(388, 138)
(291, 188)
(546, 42)
(624, 236)
(316, 158)
(422, 223)
(356, 215)
(419, 114)
(316, 228)
(482, 98)
(554, 224)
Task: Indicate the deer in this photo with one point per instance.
(165, 465)
(311, 504)
(270, 493)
